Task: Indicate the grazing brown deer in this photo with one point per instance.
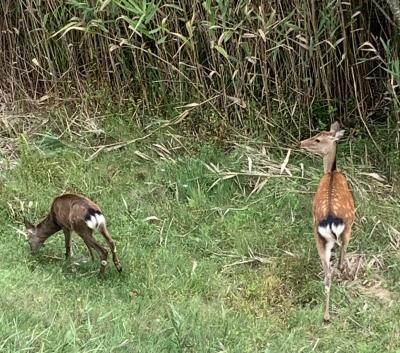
(333, 207)
(72, 212)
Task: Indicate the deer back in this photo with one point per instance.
(76, 212)
(333, 199)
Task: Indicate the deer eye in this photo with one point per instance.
(317, 140)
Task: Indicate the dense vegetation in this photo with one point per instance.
(267, 66)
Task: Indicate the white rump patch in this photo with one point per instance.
(91, 223)
(96, 221)
(100, 219)
(326, 232)
(337, 229)
(332, 232)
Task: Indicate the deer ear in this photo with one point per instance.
(339, 134)
(335, 127)
(28, 224)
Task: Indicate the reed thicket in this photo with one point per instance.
(260, 65)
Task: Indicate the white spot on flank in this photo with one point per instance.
(104, 262)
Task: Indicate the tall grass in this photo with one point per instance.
(258, 64)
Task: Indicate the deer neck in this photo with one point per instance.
(46, 228)
(330, 160)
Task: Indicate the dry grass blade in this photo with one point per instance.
(250, 260)
(212, 167)
(117, 145)
(375, 176)
(394, 236)
(285, 162)
(143, 155)
(255, 164)
(163, 152)
(244, 260)
(259, 186)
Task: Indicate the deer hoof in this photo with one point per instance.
(327, 318)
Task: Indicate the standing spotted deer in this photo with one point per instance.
(333, 207)
(72, 212)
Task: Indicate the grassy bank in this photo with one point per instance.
(215, 259)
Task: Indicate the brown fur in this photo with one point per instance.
(333, 196)
(68, 213)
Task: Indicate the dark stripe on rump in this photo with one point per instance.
(329, 220)
(91, 212)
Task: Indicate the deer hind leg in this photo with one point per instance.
(343, 248)
(89, 249)
(68, 243)
(324, 251)
(89, 240)
(111, 243)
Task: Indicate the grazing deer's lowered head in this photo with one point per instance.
(37, 235)
(72, 212)
(333, 206)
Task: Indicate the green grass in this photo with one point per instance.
(182, 288)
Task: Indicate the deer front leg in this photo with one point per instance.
(68, 243)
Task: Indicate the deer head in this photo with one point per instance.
(33, 238)
(323, 143)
